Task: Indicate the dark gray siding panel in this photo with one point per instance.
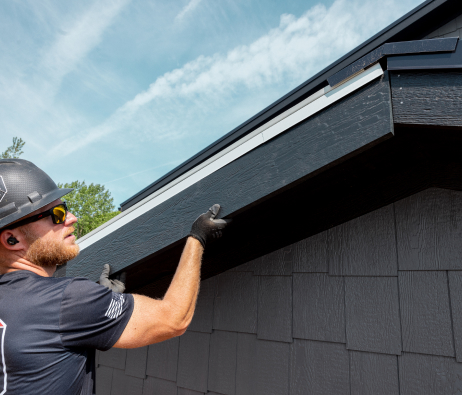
(365, 246)
(272, 368)
(262, 366)
(193, 361)
(372, 314)
(310, 255)
(319, 312)
(278, 263)
(319, 368)
(373, 374)
(236, 303)
(427, 97)
(248, 266)
(185, 391)
(455, 291)
(114, 358)
(136, 362)
(275, 308)
(125, 385)
(154, 386)
(429, 230)
(425, 314)
(163, 359)
(429, 375)
(103, 380)
(203, 316)
(361, 119)
(222, 362)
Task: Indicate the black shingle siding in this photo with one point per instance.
(384, 318)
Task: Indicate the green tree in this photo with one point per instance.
(91, 204)
(14, 151)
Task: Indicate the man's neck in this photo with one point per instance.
(23, 264)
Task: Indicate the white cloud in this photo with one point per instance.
(74, 43)
(286, 56)
(191, 6)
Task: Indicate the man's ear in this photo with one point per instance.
(12, 240)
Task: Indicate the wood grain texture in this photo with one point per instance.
(250, 266)
(429, 230)
(235, 306)
(114, 358)
(262, 366)
(163, 359)
(360, 119)
(275, 308)
(365, 246)
(155, 386)
(277, 263)
(222, 362)
(427, 97)
(203, 316)
(425, 314)
(429, 375)
(125, 385)
(319, 307)
(372, 373)
(310, 254)
(319, 368)
(136, 362)
(193, 361)
(455, 292)
(103, 380)
(372, 314)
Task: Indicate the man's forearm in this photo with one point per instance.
(181, 296)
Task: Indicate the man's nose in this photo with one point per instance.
(70, 219)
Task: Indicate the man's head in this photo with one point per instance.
(32, 233)
(41, 242)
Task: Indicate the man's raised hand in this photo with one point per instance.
(206, 227)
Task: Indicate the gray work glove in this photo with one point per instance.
(113, 285)
(206, 227)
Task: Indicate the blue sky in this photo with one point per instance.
(120, 92)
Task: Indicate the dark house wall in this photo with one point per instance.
(372, 306)
(451, 29)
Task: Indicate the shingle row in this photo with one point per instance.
(358, 307)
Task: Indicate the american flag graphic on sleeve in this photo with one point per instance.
(115, 308)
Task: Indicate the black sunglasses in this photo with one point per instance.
(58, 215)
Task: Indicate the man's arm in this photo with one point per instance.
(153, 321)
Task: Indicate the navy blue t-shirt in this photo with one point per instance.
(49, 330)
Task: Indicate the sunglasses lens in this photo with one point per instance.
(59, 213)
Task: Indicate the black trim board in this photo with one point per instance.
(400, 48)
(415, 25)
(414, 159)
(434, 61)
(343, 129)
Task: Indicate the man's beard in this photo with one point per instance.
(48, 253)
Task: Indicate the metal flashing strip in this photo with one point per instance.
(398, 48)
(300, 112)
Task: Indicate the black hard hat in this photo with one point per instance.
(24, 188)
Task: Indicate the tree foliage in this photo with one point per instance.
(91, 204)
(14, 151)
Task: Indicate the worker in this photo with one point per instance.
(50, 327)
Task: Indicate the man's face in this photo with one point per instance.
(50, 244)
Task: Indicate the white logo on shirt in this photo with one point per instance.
(115, 308)
(2, 358)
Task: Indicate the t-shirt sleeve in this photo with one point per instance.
(92, 315)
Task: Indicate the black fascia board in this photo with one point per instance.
(415, 25)
(397, 48)
(435, 61)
